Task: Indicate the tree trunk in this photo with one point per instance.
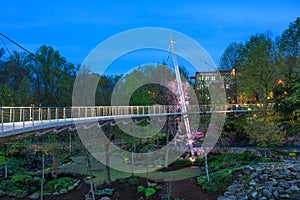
(70, 143)
(43, 171)
(6, 160)
(167, 150)
(90, 174)
(107, 163)
(206, 166)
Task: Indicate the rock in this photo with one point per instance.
(280, 190)
(260, 188)
(295, 196)
(267, 193)
(105, 198)
(253, 183)
(63, 191)
(284, 196)
(253, 175)
(295, 168)
(284, 184)
(294, 188)
(259, 170)
(233, 188)
(77, 183)
(71, 188)
(227, 193)
(276, 194)
(262, 198)
(242, 197)
(224, 198)
(56, 193)
(254, 194)
(271, 183)
(34, 196)
(264, 177)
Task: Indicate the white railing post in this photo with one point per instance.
(78, 112)
(32, 117)
(56, 113)
(10, 115)
(13, 118)
(64, 110)
(49, 114)
(20, 114)
(23, 118)
(85, 112)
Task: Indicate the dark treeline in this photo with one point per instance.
(44, 78)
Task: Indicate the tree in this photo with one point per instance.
(230, 60)
(258, 72)
(52, 77)
(289, 47)
(265, 133)
(287, 96)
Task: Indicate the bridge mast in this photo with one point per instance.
(181, 95)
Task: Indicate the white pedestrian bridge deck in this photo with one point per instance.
(21, 120)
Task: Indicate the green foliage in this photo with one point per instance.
(22, 178)
(149, 192)
(133, 181)
(221, 160)
(218, 180)
(20, 184)
(106, 191)
(2, 160)
(287, 95)
(265, 133)
(57, 184)
(141, 188)
(182, 163)
(294, 130)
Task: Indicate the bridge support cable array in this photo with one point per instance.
(182, 97)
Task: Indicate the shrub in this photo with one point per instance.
(58, 184)
(218, 180)
(182, 163)
(106, 191)
(141, 188)
(149, 192)
(133, 181)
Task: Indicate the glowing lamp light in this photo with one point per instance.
(192, 159)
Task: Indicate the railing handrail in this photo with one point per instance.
(38, 117)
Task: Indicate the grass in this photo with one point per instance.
(98, 170)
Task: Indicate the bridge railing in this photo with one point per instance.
(32, 115)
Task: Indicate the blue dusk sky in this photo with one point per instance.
(74, 28)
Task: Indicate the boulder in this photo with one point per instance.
(234, 187)
(63, 191)
(267, 193)
(284, 184)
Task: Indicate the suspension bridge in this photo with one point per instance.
(18, 121)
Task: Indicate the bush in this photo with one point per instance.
(149, 192)
(133, 181)
(20, 184)
(106, 191)
(58, 184)
(218, 180)
(182, 163)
